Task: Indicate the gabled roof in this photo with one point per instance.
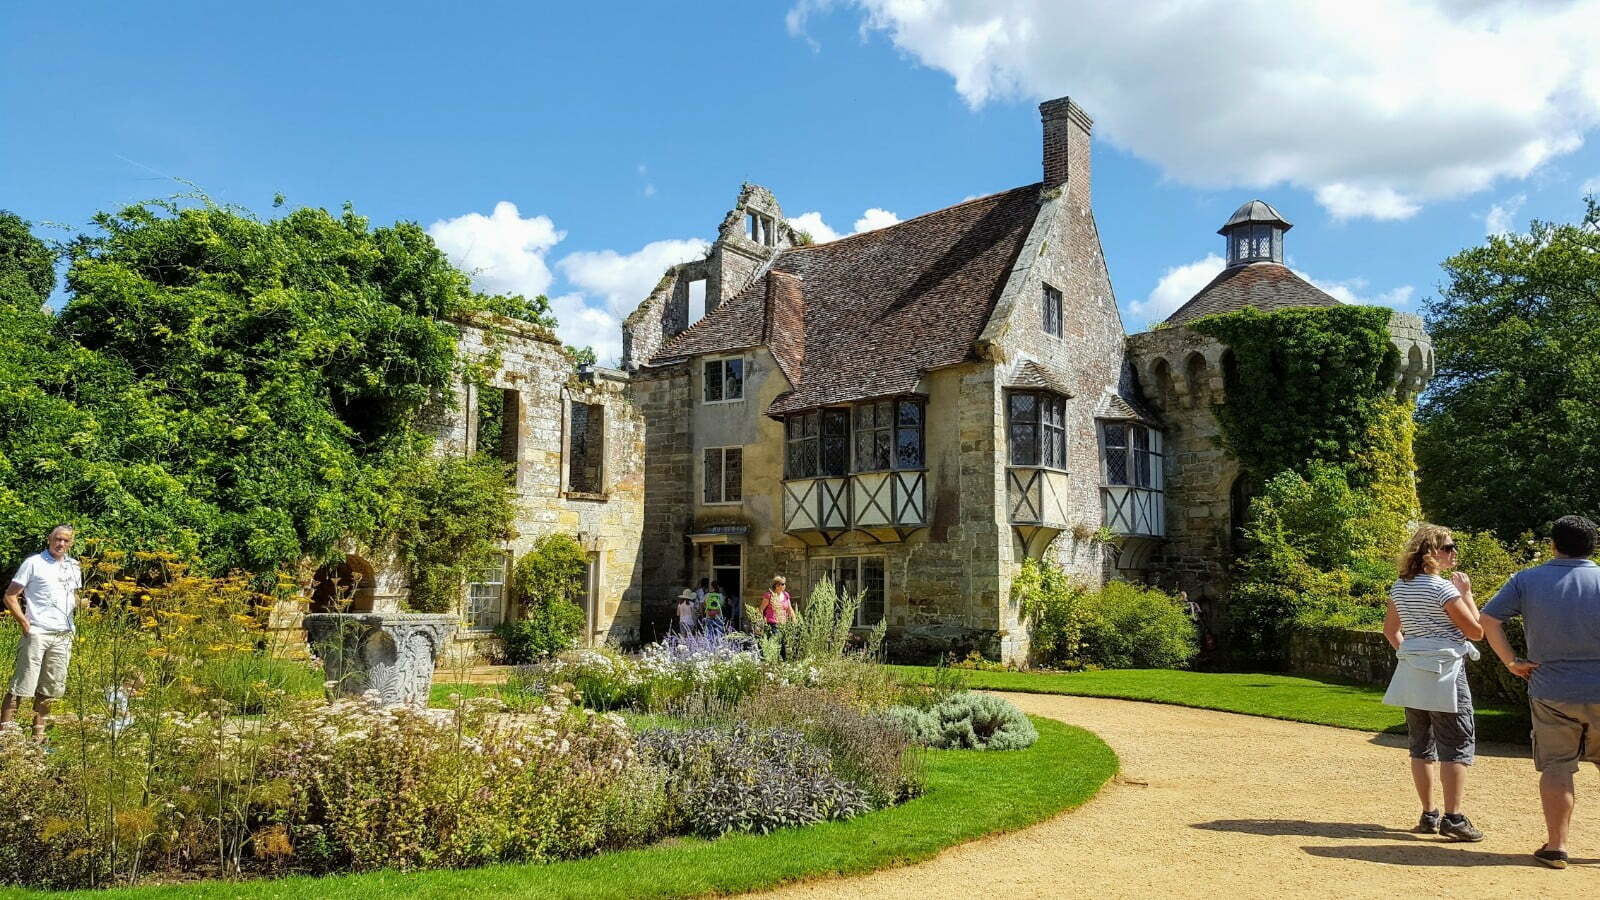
(1260, 285)
(1032, 375)
(1114, 405)
(865, 316)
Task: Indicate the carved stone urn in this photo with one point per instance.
(389, 654)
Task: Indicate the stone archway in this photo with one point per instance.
(345, 586)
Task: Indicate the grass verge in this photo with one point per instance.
(1295, 698)
(970, 794)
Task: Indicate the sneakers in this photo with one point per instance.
(1460, 829)
(1555, 859)
(1429, 823)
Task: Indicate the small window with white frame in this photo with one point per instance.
(724, 380)
(486, 597)
(724, 475)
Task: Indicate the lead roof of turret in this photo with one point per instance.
(1255, 211)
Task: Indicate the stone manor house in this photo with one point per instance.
(911, 412)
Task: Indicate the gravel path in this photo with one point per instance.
(1213, 804)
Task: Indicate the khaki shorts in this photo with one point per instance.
(42, 665)
(1564, 734)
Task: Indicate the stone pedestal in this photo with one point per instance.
(390, 654)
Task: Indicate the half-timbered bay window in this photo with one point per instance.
(1134, 479)
(859, 466)
(1133, 455)
(889, 435)
(1036, 422)
(724, 380)
(724, 472)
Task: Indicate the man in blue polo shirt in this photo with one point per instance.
(49, 583)
(1559, 603)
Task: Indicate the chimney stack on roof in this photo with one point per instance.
(1066, 145)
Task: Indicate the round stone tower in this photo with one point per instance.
(1180, 373)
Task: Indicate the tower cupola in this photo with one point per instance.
(1255, 234)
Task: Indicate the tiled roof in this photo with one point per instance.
(1262, 285)
(878, 309)
(1032, 375)
(1116, 406)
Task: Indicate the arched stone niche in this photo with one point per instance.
(346, 586)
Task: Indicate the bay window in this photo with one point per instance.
(1036, 425)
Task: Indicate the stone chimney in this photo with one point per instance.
(1066, 145)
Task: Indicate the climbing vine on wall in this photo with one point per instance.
(1311, 415)
(1304, 384)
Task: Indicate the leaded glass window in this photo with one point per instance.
(835, 448)
(1036, 423)
(1052, 311)
(874, 434)
(724, 380)
(802, 457)
(723, 474)
(1133, 455)
(908, 435)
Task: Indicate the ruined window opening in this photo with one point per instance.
(724, 474)
(697, 300)
(586, 448)
(724, 380)
(1036, 423)
(497, 423)
(1133, 455)
(857, 574)
(759, 228)
(1052, 311)
(486, 606)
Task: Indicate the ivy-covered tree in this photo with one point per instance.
(245, 392)
(1510, 430)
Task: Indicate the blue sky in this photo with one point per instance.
(621, 133)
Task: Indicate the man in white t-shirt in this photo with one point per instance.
(48, 582)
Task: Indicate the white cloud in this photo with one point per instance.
(503, 252)
(1174, 289)
(1376, 106)
(1500, 219)
(623, 279)
(811, 223)
(506, 254)
(871, 220)
(1179, 283)
(1592, 186)
(875, 218)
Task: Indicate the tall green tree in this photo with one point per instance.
(1509, 435)
(245, 392)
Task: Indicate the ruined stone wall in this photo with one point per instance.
(663, 395)
(608, 522)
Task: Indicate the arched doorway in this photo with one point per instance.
(348, 586)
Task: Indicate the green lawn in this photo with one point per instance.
(1297, 699)
(970, 794)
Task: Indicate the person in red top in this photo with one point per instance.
(775, 605)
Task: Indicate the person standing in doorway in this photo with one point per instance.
(715, 623)
(47, 583)
(1559, 603)
(1431, 622)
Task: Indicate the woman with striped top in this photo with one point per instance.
(1431, 622)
